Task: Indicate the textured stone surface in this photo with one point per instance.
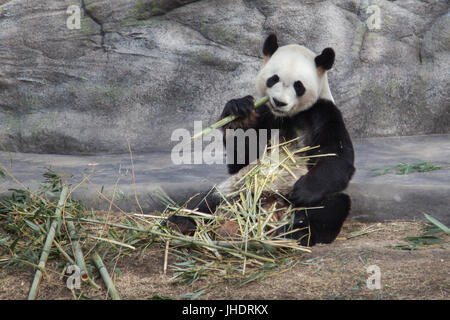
(380, 198)
(392, 196)
(138, 69)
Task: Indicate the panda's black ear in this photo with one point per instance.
(270, 45)
(325, 59)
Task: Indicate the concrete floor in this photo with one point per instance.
(374, 198)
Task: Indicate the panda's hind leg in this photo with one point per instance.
(321, 225)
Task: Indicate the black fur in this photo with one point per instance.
(325, 59)
(272, 81)
(270, 45)
(299, 88)
(323, 125)
(320, 225)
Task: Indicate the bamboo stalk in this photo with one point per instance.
(58, 246)
(48, 243)
(111, 241)
(105, 275)
(190, 241)
(362, 233)
(166, 256)
(252, 244)
(63, 253)
(96, 221)
(78, 254)
(224, 245)
(226, 120)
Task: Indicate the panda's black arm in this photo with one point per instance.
(328, 174)
(238, 155)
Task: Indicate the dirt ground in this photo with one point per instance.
(334, 271)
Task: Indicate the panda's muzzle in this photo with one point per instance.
(279, 104)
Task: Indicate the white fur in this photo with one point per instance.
(292, 63)
(281, 181)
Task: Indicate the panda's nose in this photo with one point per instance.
(279, 103)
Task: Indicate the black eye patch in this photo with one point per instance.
(272, 80)
(299, 88)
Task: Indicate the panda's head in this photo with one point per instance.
(293, 77)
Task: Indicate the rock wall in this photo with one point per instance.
(138, 69)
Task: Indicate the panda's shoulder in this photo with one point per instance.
(326, 106)
(325, 110)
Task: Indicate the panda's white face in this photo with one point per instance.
(291, 80)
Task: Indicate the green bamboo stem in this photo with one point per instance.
(112, 242)
(58, 246)
(105, 275)
(92, 221)
(63, 253)
(48, 244)
(226, 120)
(78, 254)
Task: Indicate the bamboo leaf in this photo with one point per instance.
(437, 223)
(193, 295)
(423, 240)
(32, 225)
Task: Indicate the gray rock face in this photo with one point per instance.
(139, 69)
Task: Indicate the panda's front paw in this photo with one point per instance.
(244, 109)
(239, 107)
(305, 193)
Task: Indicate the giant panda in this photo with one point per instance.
(301, 107)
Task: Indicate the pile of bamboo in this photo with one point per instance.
(246, 231)
(33, 226)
